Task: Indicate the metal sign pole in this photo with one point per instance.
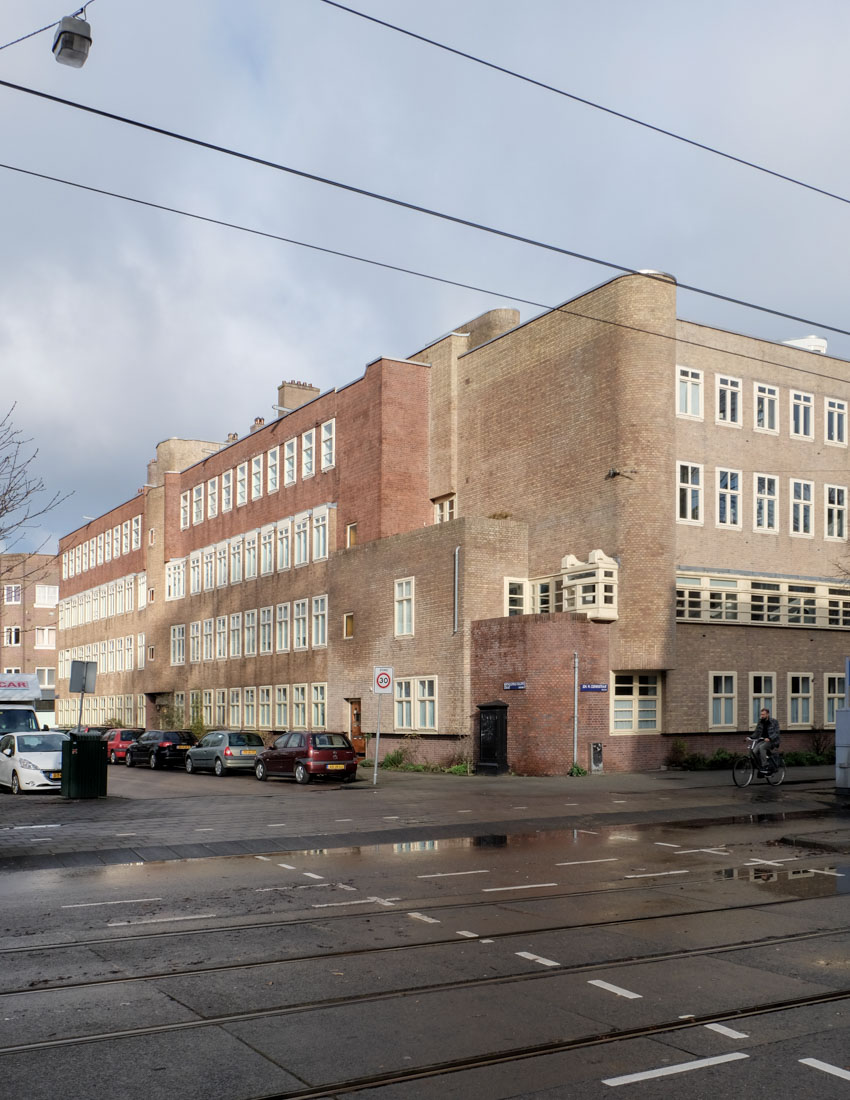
(377, 743)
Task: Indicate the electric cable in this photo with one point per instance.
(415, 207)
(589, 102)
(679, 340)
(41, 30)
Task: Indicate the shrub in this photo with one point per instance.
(458, 769)
(577, 770)
(722, 758)
(695, 762)
(675, 758)
(395, 759)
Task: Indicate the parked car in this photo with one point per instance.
(303, 755)
(223, 751)
(117, 742)
(160, 749)
(31, 761)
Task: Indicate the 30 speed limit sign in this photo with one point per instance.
(383, 680)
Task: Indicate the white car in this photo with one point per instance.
(31, 761)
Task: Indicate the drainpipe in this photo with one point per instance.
(575, 707)
(456, 574)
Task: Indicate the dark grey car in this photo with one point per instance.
(223, 751)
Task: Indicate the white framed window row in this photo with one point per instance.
(767, 601)
(121, 539)
(119, 597)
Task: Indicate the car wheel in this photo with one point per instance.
(349, 777)
(128, 760)
(301, 774)
(260, 770)
(190, 767)
(218, 767)
(15, 785)
(154, 763)
(113, 759)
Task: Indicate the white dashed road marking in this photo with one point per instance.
(452, 874)
(537, 958)
(658, 874)
(666, 1071)
(469, 935)
(158, 920)
(580, 862)
(309, 874)
(91, 904)
(817, 871)
(421, 916)
(826, 1067)
(727, 1031)
(529, 886)
(616, 989)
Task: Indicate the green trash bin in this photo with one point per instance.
(84, 760)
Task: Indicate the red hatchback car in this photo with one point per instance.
(304, 755)
(117, 742)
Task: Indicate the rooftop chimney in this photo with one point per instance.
(259, 421)
(292, 395)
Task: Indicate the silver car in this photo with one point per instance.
(32, 761)
(224, 751)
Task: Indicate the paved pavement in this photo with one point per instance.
(142, 820)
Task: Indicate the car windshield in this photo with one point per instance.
(13, 720)
(252, 739)
(43, 742)
(330, 741)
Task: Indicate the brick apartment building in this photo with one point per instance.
(605, 506)
(29, 584)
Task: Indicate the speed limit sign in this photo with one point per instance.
(383, 680)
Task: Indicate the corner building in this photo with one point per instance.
(607, 527)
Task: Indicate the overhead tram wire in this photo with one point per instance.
(453, 219)
(41, 30)
(410, 271)
(589, 102)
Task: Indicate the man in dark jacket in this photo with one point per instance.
(767, 731)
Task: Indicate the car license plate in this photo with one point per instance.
(54, 775)
(336, 767)
(248, 752)
(184, 747)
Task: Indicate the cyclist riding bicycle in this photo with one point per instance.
(767, 732)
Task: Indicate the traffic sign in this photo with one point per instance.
(383, 680)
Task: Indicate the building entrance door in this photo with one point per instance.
(354, 732)
(492, 738)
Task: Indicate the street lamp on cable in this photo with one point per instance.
(72, 41)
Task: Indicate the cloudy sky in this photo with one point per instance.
(122, 325)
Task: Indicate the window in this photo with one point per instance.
(320, 534)
(802, 415)
(690, 492)
(208, 708)
(11, 635)
(514, 597)
(729, 498)
(221, 638)
(212, 498)
(272, 472)
(801, 508)
(318, 694)
(208, 640)
(404, 607)
(11, 593)
(227, 491)
(265, 707)
(289, 457)
(835, 428)
(799, 699)
(299, 623)
(266, 630)
(728, 409)
(250, 634)
(221, 556)
(241, 484)
(194, 643)
(328, 444)
(320, 621)
(689, 394)
(281, 706)
(250, 555)
(47, 677)
(235, 708)
(236, 634)
(107, 544)
(299, 706)
(765, 602)
(194, 575)
(350, 535)
(256, 477)
(835, 512)
(302, 540)
(45, 637)
(178, 645)
(250, 704)
(723, 700)
(636, 702)
(282, 631)
(267, 551)
(308, 460)
(140, 651)
(444, 510)
(766, 408)
(284, 529)
(221, 706)
(416, 703)
(426, 704)
(236, 560)
(209, 569)
(403, 704)
(801, 605)
(833, 696)
(184, 512)
(765, 502)
(197, 505)
(348, 624)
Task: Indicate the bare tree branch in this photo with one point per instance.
(22, 491)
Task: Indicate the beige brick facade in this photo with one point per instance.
(286, 564)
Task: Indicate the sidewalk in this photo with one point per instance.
(231, 817)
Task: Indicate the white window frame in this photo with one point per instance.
(802, 415)
(227, 491)
(723, 693)
(249, 707)
(284, 544)
(766, 400)
(834, 422)
(267, 551)
(264, 707)
(801, 508)
(256, 477)
(282, 628)
(308, 454)
(800, 703)
(290, 462)
(689, 393)
(301, 539)
(637, 726)
(328, 445)
(318, 706)
(250, 647)
(320, 534)
(835, 513)
(241, 484)
(198, 504)
(765, 498)
(221, 638)
(833, 697)
(212, 498)
(728, 498)
(689, 487)
(404, 606)
(195, 643)
(266, 630)
(300, 624)
(299, 706)
(234, 708)
(320, 622)
(728, 401)
(273, 470)
(178, 644)
(185, 511)
(236, 634)
(281, 706)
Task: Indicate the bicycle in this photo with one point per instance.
(745, 767)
